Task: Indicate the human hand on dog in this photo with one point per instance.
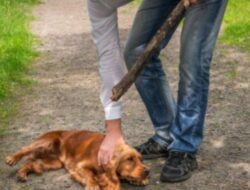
(187, 3)
(112, 138)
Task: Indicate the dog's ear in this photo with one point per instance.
(109, 179)
(111, 168)
(110, 172)
(119, 153)
(101, 179)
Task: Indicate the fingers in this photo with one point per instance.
(104, 156)
(99, 157)
(107, 147)
(187, 3)
(193, 2)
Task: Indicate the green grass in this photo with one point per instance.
(16, 52)
(237, 24)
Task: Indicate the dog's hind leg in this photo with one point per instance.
(28, 167)
(41, 146)
(38, 166)
(14, 158)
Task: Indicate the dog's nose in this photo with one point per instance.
(146, 172)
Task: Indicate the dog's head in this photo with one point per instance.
(129, 165)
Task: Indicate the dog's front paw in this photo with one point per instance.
(22, 177)
(93, 187)
(11, 160)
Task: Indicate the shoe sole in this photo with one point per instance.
(175, 180)
(178, 179)
(152, 156)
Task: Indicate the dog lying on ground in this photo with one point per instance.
(77, 152)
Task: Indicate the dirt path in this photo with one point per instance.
(67, 97)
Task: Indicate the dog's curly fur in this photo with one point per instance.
(77, 152)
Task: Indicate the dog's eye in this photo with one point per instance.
(130, 158)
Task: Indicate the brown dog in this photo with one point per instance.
(77, 152)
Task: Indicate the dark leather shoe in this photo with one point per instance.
(178, 167)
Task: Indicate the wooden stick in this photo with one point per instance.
(174, 18)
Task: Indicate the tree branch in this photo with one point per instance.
(123, 86)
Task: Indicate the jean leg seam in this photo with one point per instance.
(199, 89)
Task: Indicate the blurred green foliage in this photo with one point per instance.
(16, 50)
(236, 25)
(236, 28)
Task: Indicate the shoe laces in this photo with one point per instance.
(176, 158)
(149, 146)
(181, 160)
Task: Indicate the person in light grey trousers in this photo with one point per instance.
(178, 125)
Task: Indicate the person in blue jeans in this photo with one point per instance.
(178, 124)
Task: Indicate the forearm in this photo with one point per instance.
(103, 16)
(111, 72)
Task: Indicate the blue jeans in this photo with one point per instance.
(178, 125)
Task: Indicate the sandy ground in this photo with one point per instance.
(67, 97)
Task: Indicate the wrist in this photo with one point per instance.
(114, 130)
(113, 126)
